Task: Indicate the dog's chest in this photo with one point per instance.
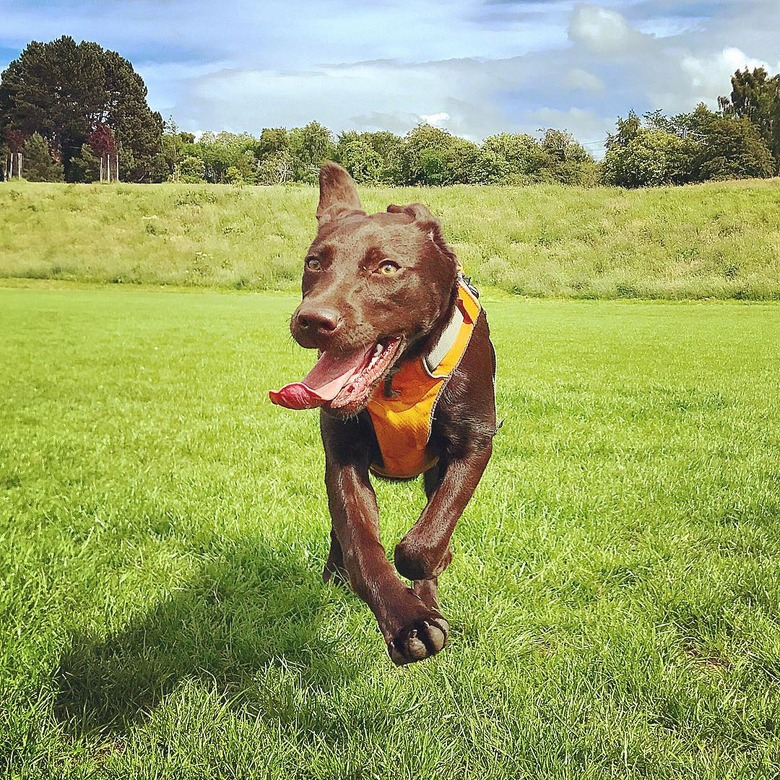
(402, 423)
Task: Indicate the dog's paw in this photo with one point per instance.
(420, 639)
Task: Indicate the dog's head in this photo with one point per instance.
(376, 288)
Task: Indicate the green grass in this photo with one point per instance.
(719, 240)
(614, 596)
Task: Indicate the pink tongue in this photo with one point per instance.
(322, 384)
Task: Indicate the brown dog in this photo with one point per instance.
(404, 380)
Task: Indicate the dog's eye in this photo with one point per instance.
(313, 264)
(388, 267)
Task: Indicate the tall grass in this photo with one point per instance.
(718, 240)
(614, 596)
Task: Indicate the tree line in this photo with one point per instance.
(426, 155)
(740, 140)
(78, 113)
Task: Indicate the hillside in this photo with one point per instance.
(718, 240)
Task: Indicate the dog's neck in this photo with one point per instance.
(437, 343)
(425, 342)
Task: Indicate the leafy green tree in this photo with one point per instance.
(755, 96)
(651, 158)
(62, 90)
(369, 156)
(433, 163)
(310, 146)
(222, 151)
(272, 141)
(363, 163)
(463, 162)
(522, 154)
(277, 168)
(698, 146)
(421, 158)
(233, 175)
(191, 170)
(173, 150)
(627, 130)
(38, 162)
(729, 147)
(384, 143)
(565, 160)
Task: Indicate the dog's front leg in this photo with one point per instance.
(411, 629)
(424, 553)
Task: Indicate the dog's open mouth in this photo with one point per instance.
(343, 383)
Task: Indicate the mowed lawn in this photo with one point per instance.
(614, 596)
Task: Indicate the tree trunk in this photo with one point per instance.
(117, 166)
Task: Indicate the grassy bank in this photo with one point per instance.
(717, 240)
(614, 596)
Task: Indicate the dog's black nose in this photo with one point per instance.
(314, 326)
(321, 321)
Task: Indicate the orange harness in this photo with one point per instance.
(403, 423)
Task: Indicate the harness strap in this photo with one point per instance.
(403, 423)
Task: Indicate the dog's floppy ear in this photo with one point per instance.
(338, 194)
(418, 213)
(426, 222)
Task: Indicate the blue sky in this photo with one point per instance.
(475, 67)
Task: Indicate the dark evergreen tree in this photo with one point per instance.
(38, 162)
(63, 90)
(85, 166)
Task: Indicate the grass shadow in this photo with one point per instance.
(249, 607)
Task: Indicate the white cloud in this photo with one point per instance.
(577, 78)
(602, 30)
(435, 119)
(474, 67)
(710, 74)
(370, 92)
